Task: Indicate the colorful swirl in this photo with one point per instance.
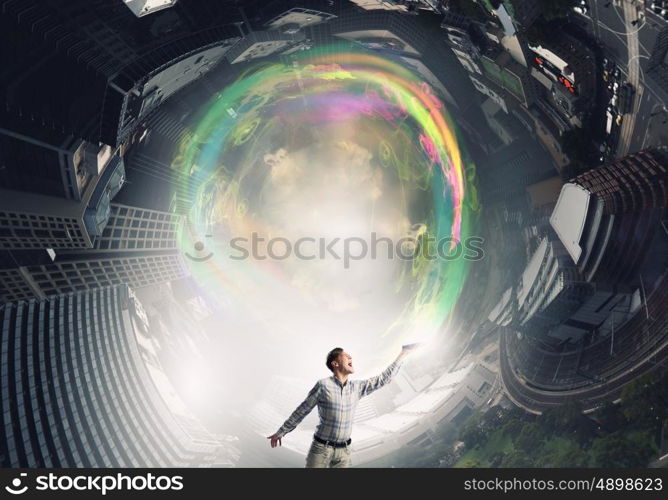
(264, 152)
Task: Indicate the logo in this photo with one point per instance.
(15, 488)
(199, 247)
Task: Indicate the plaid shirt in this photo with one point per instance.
(336, 403)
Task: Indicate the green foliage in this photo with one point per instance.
(512, 428)
(516, 459)
(474, 432)
(611, 416)
(471, 464)
(562, 452)
(622, 450)
(530, 439)
(562, 419)
(616, 435)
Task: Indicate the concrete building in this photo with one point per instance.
(81, 387)
(37, 221)
(590, 279)
(521, 12)
(606, 218)
(657, 66)
(410, 6)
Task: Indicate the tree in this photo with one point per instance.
(564, 418)
(471, 463)
(530, 439)
(516, 459)
(473, 433)
(512, 428)
(611, 416)
(568, 454)
(619, 450)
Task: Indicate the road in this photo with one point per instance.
(629, 46)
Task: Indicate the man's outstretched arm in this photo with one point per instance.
(371, 384)
(297, 416)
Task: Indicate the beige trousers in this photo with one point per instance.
(322, 456)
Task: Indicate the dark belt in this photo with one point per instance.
(334, 444)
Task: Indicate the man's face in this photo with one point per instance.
(344, 363)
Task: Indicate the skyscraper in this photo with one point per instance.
(137, 247)
(30, 220)
(606, 218)
(82, 387)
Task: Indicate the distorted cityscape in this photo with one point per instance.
(200, 199)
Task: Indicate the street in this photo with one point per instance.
(627, 32)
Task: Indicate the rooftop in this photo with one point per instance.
(569, 216)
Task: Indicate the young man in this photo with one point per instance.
(336, 398)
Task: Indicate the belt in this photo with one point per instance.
(334, 444)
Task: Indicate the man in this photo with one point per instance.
(336, 398)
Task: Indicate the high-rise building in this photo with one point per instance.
(657, 66)
(606, 217)
(606, 221)
(136, 229)
(30, 220)
(522, 12)
(138, 247)
(45, 280)
(400, 5)
(82, 387)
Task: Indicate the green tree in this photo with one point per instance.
(512, 428)
(473, 433)
(517, 459)
(530, 439)
(567, 454)
(611, 416)
(620, 450)
(564, 418)
(471, 463)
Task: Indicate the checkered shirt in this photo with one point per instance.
(337, 403)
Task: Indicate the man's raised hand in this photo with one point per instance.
(275, 440)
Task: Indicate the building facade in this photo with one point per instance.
(77, 390)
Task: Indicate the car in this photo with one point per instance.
(619, 119)
(617, 74)
(605, 63)
(613, 101)
(615, 87)
(605, 75)
(580, 9)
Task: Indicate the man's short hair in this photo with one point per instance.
(333, 356)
